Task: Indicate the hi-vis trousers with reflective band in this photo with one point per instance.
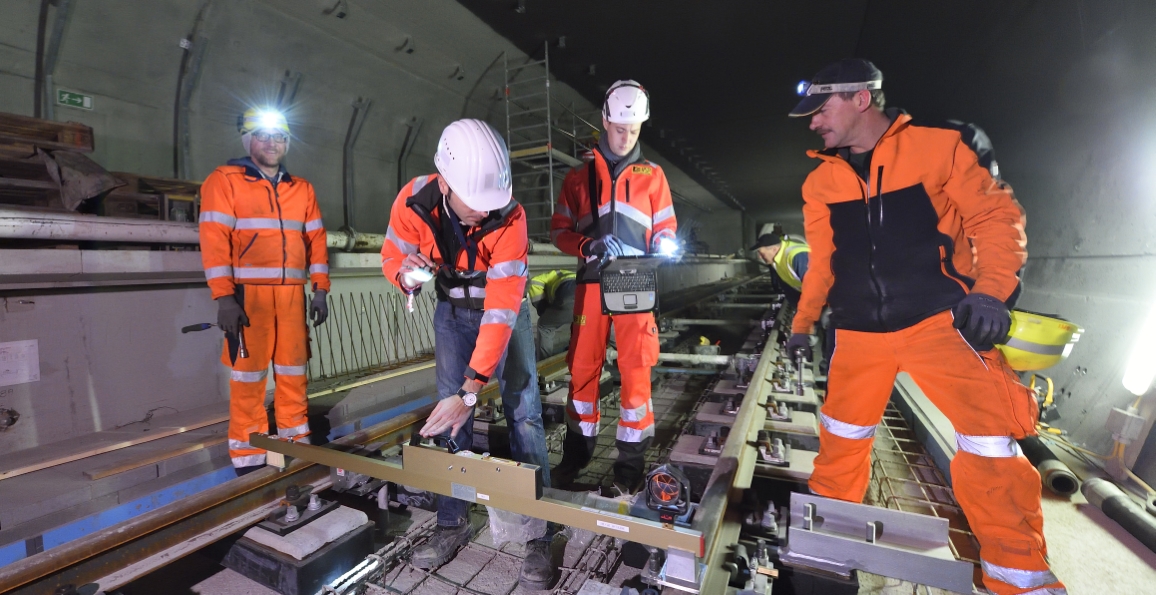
(636, 336)
(996, 486)
(276, 332)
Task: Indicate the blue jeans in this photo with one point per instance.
(456, 332)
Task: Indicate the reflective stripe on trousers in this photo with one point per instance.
(843, 429)
(248, 461)
(1023, 579)
(289, 370)
(988, 446)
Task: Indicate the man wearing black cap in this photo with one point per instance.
(786, 256)
(916, 248)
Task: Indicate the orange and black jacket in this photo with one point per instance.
(927, 226)
(634, 203)
(257, 231)
(488, 272)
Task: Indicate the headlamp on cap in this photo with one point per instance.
(806, 89)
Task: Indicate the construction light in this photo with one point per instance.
(1141, 368)
(801, 88)
(270, 119)
(667, 246)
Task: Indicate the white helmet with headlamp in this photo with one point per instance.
(472, 158)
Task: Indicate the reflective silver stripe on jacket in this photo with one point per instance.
(843, 429)
(664, 214)
(289, 370)
(268, 273)
(218, 217)
(217, 272)
(562, 209)
(509, 268)
(632, 213)
(581, 407)
(555, 233)
(314, 225)
(420, 182)
(1023, 579)
(240, 376)
(988, 446)
(318, 268)
(404, 246)
(258, 223)
(500, 315)
(294, 431)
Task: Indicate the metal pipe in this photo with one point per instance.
(354, 242)
(29, 225)
(692, 371)
(686, 358)
(1053, 473)
(710, 322)
(1121, 508)
(360, 107)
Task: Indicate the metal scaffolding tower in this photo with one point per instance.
(542, 149)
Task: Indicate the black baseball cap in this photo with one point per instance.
(845, 76)
(768, 239)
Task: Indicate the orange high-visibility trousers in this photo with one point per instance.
(636, 336)
(276, 333)
(996, 486)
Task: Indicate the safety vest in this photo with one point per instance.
(790, 248)
(546, 285)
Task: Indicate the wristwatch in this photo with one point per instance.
(470, 399)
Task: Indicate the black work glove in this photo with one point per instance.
(799, 342)
(982, 320)
(319, 308)
(604, 246)
(230, 315)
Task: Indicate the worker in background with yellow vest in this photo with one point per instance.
(552, 296)
(787, 256)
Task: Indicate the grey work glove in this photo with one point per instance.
(319, 308)
(604, 246)
(983, 320)
(799, 342)
(230, 315)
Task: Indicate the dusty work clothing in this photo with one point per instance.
(485, 268)
(631, 201)
(267, 236)
(552, 295)
(892, 252)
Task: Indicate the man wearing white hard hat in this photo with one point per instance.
(461, 228)
(617, 204)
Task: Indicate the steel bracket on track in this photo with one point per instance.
(836, 536)
(508, 485)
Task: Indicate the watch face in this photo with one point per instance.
(470, 399)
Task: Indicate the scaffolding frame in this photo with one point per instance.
(542, 149)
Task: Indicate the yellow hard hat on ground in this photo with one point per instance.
(1038, 341)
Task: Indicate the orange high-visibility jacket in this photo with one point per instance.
(258, 232)
(927, 227)
(497, 280)
(642, 208)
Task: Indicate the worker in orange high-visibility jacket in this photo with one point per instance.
(262, 240)
(916, 248)
(461, 229)
(634, 215)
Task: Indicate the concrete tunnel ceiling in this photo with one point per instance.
(722, 75)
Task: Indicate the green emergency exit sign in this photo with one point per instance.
(71, 99)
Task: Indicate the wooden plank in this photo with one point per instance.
(45, 133)
(50, 455)
(156, 457)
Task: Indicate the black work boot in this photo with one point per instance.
(577, 450)
(441, 547)
(538, 570)
(631, 465)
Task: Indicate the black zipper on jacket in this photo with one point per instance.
(281, 221)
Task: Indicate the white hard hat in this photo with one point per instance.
(626, 103)
(473, 160)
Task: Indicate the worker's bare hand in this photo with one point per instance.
(451, 413)
(415, 261)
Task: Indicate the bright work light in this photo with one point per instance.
(667, 247)
(1141, 368)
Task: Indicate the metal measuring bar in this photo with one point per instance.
(508, 485)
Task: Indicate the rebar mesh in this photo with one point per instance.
(368, 331)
